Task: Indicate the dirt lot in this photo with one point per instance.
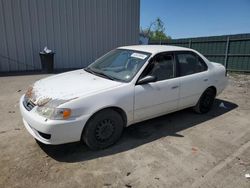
(182, 149)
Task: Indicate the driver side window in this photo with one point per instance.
(162, 67)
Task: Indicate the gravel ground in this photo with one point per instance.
(182, 149)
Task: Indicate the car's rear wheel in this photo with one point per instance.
(206, 101)
(103, 129)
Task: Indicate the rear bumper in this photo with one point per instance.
(52, 131)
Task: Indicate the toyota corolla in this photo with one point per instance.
(127, 85)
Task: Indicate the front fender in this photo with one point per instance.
(121, 97)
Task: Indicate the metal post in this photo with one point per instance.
(226, 53)
(190, 43)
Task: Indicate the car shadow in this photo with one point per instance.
(139, 134)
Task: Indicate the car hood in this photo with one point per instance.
(68, 86)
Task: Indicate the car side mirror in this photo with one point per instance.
(146, 79)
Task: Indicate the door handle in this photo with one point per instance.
(205, 80)
(174, 87)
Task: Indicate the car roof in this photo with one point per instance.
(155, 48)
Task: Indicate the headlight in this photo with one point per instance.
(54, 113)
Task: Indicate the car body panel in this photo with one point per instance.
(70, 85)
(191, 88)
(156, 98)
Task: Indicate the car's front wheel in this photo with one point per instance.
(206, 101)
(103, 129)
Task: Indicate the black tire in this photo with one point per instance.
(206, 101)
(103, 129)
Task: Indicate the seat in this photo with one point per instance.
(163, 68)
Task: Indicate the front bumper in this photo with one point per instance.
(58, 131)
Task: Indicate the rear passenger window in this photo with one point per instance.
(189, 63)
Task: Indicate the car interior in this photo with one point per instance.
(189, 64)
(163, 67)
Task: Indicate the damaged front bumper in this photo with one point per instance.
(52, 131)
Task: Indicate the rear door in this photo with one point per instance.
(193, 74)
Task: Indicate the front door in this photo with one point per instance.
(160, 97)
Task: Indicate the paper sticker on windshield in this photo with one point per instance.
(138, 55)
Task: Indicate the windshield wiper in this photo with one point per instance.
(104, 75)
(88, 69)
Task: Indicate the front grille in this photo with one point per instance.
(28, 104)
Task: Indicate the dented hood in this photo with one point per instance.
(70, 85)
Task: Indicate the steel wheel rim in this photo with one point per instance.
(104, 130)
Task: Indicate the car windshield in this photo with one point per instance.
(120, 64)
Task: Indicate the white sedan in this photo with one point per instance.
(127, 85)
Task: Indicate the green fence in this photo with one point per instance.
(233, 51)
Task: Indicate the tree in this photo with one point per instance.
(155, 31)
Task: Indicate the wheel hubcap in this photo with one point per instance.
(104, 130)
